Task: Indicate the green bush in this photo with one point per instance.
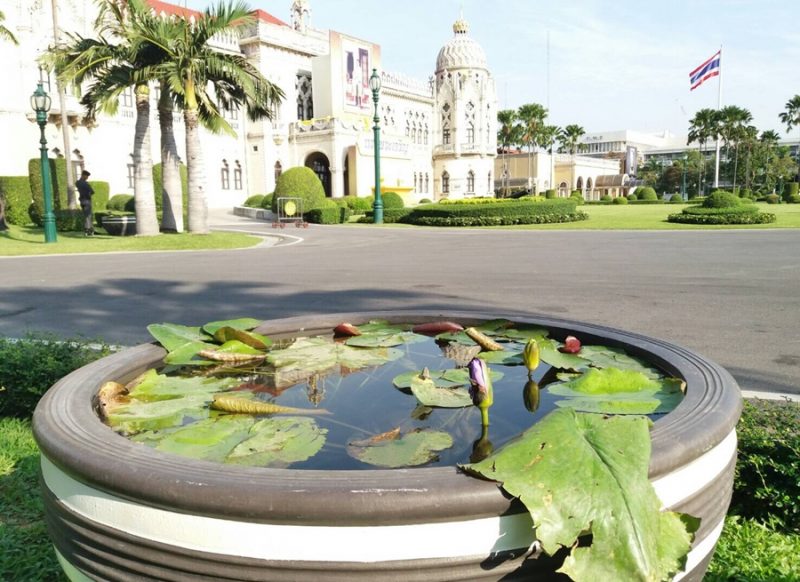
(359, 204)
(328, 213)
(791, 189)
(389, 216)
(767, 482)
(676, 199)
(58, 179)
(578, 199)
(745, 193)
(550, 194)
(101, 193)
(522, 211)
(620, 200)
(605, 198)
(703, 211)
(772, 199)
(576, 194)
(29, 366)
(721, 199)
(697, 199)
(121, 203)
(425, 201)
(158, 188)
(646, 193)
(481, 200)
(300, 182)
(17, 193)
(794, 199)
(69, 220)
(266, 202)
(632, 197)
(741, 214)
(392, 200)
(254, 201)
(646, 202)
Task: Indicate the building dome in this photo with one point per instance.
(461, 52)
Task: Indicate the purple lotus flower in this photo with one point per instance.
(478, 376)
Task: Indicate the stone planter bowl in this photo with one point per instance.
(119, 225)
(117, 510)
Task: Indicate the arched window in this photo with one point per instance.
(415, 181)
(471, 133)
(427, 184)
(470, 182)
(489, 185)
(225, 176)
(445, 183)
(237, 176)
(446, 135)
(426, 134)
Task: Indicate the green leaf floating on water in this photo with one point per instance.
(251, 338)
(429, 394)
(614, 391)
(605, 357)
(154, 386)
(278, 442)
(211, 439)
(393, 450)
(385, 340)
(189, 354)
(580, 473)
(137, 416)
(437, 376)
(511, 356)
(524, 333)
(315, 355)
(457, 337)
(172, 336)
(243, 323)
(549, 354)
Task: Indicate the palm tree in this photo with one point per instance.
(570, 136)
(703, 127)
(769, 139)
(507, 134)
(791, 118)
(205, 81)
(4, 32)
(531, 117)
(113, 67)
(733, 120)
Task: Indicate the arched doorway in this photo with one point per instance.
(562, 189)
(589, 189)
(579, 185)
(322, 168)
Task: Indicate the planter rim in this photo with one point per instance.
(71, 435)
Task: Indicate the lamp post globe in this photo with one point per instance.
(40, 103)
(377, 206)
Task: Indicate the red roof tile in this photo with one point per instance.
(168, 8)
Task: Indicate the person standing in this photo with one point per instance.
(85, 193)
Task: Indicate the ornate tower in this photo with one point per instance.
(465, 104)
(301, 15)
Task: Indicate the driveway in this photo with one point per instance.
(733, 296)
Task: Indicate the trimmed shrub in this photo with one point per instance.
(392, 200)
(58, 179)
(576, 194)
(676, 199)
(658, 201)
(522, 211)
(767, 480)
(254, 201)
(300, 182)
(620, 200)
(266, 202)
(791, 189)
(741, 214)
(772, 199)
(121, 203)
(632, 197)
(605, 198)
(328, 213)
(745, 193)
(101, 193)
(69, 220)
(703, 211)
(794, 199)
(158, 188)
(389, 216)
(577, 198)
(425, 201)
(29, 366)
(17, 193)
(480, 200)
(697, 199)
(359, 204)
(646, 193)
(721, 199)
(550, 194)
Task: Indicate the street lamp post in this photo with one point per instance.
(40, 102)
(377, 206)
(683, 181)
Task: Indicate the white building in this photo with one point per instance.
(438, 136)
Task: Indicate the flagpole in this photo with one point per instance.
(719, 106)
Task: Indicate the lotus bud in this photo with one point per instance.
(530, 396)
(572, 345)
(530, 355)
(480, 387)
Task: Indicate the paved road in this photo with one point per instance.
(733, 296)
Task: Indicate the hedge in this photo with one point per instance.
(392, 200)
(158, 188)
(476, 200)
(792, 189)
(637, 201)
(17, 192)
(69, 220)
(300, 182)
(492, 214)
(101, 193)
(266, 202)
(359, 204)
(746, 214)
(550, 194)
(121, 203)
(254, 201)
(58, 179)
(389, 215)
(703, 211)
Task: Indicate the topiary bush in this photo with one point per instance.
(550, 194)
(767, 481)
(389, 216)
(523, 211)
(266, 202)
(576, 194)
(17, 193)
(741, 214)
(30, 365)
(620, 200)
(329, 213)
(745, 193)
(605, 198)
(772, 199)
(632, 197)
(359, 204)
(101, 194)
(121, 203)
(254, 201)
(300, 182)
(646, 193)
(794, 199)
(392, 200)
(58, 179)
(425, 201)
(721, 199)
(676, 199)
(791, 189)
(69, 220)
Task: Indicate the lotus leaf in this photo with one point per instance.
(153, 386)
(550, 355)
(524, 333)
(494, 326)
(461, 376)
(243, 323)
(251, 338)
(381, 339)
(459, 337)
(211, 439)
(512, 356)
(172, 336)
(587, 473)
(317, 355)
(137, 416)
(408, 450)
(429, 394)
(278, 442)
(437, 376)
(188, 354)
(609, 381)
(382, 326)
(605, 357)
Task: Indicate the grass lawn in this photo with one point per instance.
(20, 240)
(654, 217)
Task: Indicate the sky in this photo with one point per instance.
(612, 65)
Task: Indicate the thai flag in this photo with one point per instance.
(708, 69)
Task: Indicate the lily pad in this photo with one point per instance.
(189, 353)
(407, 450)
(172, 336)
(385, 339)
(437, 376)
(243, 323)
(382, 326)
(524, 333)
(211, 439)
(587, 473)
(602, 381)
(429, 394)
(316, 355)
(461, 376)
(278, 442)
(251, 338)
(153, 386)
(605, 357)
(136, 416)
(550, 355)
(512, 356)
(456, 337)
(494, 326)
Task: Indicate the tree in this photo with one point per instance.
(547, 137)
(733, 120)
(769, 140)
(791, 118)
(569, 138)
(204, 82)
(4, 32)
(531, 117)
(507, 134)
(703, 127)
